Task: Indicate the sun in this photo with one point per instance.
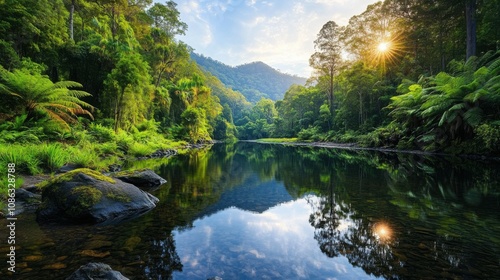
(387, 50)
(383, 47)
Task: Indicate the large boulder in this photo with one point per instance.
(86, 196)
(96, 271)
(142, 178)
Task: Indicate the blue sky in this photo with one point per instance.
(278, 32)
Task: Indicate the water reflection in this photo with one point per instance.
(254, 211)
(276, 244)
(383, 232)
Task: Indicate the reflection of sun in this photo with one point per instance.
(382, 231)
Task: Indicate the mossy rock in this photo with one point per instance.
(86, 196)
(68, 176)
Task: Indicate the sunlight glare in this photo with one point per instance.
(382, 231)
(383, 47)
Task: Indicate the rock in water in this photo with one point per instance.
(96, 271)
(86, 196)
(142, 179)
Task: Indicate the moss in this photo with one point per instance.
(86, 197)
(118, 196)
(129, 172)
(68, 176)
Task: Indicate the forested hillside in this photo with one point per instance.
(254, 80)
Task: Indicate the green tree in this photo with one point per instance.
(327, 58)
(129, 76)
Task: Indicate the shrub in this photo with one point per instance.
(139, 150)
(488, 135)
(148, 125)
(124, 141)
(311, 133)
(101, 133)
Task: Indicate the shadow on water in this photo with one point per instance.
(395, 216)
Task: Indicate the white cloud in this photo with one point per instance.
(279, 33)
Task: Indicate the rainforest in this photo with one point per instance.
(111, 77)
(407, 92)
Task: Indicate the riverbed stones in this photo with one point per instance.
(84, 196)
(96, 271)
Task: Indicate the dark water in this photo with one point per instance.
(253, 211)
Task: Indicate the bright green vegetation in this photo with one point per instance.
(423, 76)
(116, 67)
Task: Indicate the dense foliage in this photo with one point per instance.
(115, 62)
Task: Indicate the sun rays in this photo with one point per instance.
(386, 51)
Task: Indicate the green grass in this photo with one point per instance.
(52, 156)
(22, 156)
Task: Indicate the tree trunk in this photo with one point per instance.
(113, 21)
(118, 110)
(360, 109)
(470, 17)
(330, 93)
(71, 19)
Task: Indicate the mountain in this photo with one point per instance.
(254, 80)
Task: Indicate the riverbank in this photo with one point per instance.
(355, 146)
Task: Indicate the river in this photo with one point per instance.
(257, 211)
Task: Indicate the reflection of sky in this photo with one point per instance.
(277, 244)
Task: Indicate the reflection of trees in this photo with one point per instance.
(437, 210)
(326, 222)
(162, 259)
(441, 226)
(338, 231)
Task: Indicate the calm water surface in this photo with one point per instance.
(254, 211)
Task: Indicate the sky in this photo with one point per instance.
(280, 33)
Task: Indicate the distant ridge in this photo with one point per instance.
(254, 80)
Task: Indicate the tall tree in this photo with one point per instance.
(327, 58)
(71, 19)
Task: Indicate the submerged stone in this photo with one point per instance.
(96, 271)
(86, 196)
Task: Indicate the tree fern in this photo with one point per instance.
(33, 94)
